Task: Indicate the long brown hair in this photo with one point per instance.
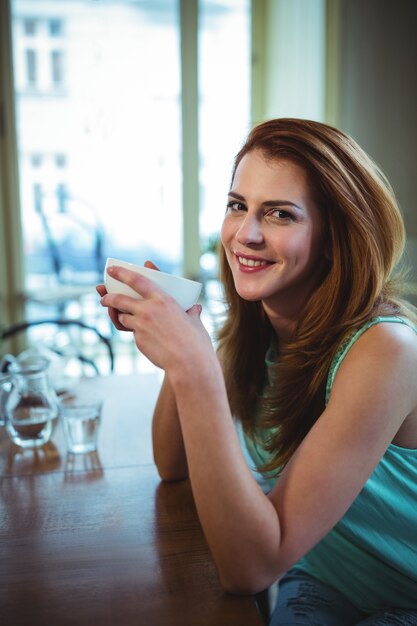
(366, 237)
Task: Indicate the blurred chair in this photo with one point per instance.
(71, 259)
(72, 340)
(73, 235)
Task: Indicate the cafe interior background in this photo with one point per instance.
(119, 120)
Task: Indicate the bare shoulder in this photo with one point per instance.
(378, 377)
(396, 332)
(397, 345)
(394, 343)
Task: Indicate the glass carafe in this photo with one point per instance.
(32, 404)
(5, 389)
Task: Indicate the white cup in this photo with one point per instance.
(186, 292)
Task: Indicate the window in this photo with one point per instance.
(62, 197)
(57, 67)
(60, 160)
(37, 197)
(29, 27)
(31, 67)
(36, 160)
(119, 128)
(55, 27)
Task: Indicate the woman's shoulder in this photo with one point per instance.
(390, 338)
(398, 330)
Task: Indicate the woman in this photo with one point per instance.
(317, 361)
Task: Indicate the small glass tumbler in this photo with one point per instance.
(80, 418)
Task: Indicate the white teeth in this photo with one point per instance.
(251, 262)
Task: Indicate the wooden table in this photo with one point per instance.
(97, 539)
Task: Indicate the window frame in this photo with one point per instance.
(11, 241)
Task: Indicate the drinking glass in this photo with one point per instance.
(80, 418)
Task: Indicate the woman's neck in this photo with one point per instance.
(283, 326)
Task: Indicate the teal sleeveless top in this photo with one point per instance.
(370, 556)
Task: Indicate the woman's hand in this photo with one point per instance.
(114, 313)
(163, 332)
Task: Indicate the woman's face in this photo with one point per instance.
(273, 234)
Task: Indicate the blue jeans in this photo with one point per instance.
(305, 601)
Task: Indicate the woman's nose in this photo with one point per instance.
(250, 231)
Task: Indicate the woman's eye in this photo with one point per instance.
(234, 207)
(280, 214)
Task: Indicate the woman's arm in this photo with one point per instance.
(168, 445)
(167, 440)
(255, 538)
(241, 525)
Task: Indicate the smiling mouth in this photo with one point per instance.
(251, 262)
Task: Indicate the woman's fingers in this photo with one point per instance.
(143, 286)
(195, 311)
(113, 313)
(151, 265)
(121, 308)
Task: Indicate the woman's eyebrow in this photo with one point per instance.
(267, 203)
(235, 195)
